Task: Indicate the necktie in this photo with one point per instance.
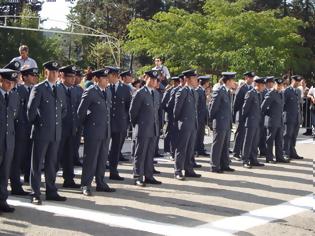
(152, 94)
(6, 98)
(54, 91)
(29, 90)
(113, 89)
(68, 92)
(104, 94)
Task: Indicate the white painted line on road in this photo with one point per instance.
(262, 216)
(115, 220)
(306, 141)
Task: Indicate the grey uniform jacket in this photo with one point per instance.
(272, 108)
(202, 105)
(220, 111)
(121, 100)
(239, 100)
(291, 110)
(23, 127)
(144, 113)
(94, 113)
(251, 109)
(46, 112)
(7, 116)
(185, 109)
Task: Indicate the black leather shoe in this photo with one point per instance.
(204, 153)
(26, 179)
(152, 181)
(77, 163)
(297, 157)
(156, 172)
(86, 191)
(247, 166)
(70, 184)
(116, 177)
(139, 183)
(237, 157)
(19, 192)
(219, 171)
(5, 207)
(155, 162)
(257, 164)
(228, 169)
(36, 200)
(197, 165)
(192, 174)
(105, 188)
(270, 160)
(179, 176)
(55, 197)
(158, 155)
(283, 160)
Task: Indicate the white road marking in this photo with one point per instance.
(262, 216)
(226, 226)
(305, 141)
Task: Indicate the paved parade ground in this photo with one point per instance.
(271, 200)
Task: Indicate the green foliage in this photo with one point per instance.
(226, 37)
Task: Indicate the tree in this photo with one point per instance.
(225, 38)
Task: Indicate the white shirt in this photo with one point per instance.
(311, 91)
(28, 62)
(164, 69)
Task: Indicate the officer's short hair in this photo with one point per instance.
(23, 48)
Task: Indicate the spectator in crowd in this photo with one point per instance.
(311, 96)
(165, 74)
(88, 80)
(305, 106)
(24, 59)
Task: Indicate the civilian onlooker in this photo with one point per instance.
(165, 74)
(305, 106)
(311, 96)
(24, 59)
(88, 79)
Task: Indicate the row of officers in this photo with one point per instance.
(41, 124)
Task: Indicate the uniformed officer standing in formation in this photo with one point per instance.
(251, 115)
(9, 105)
(23, 128)
(178, 83)
(220, 115)
(292, 117)
(94, 116)
(69, 125)
(144, 119)
(202, 114)
(45, 111)
(186, 125)
(121, 98)
(272, 109)
(237, 108)
(263, 131)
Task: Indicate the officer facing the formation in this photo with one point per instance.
(94, 116)
(121, 98)
(251, 115)
(272, 109)
(69, 126)
(144, 119)
(220, 115)
(237, 108)
(291, 117)
(9, 105)
(23, 128)
(186, 125)
(263, 131)
(202, 109)
(45, 111)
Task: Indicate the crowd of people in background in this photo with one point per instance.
(43, 123)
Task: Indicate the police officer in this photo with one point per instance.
(220, 116)
(23, 128)
(169, 114)
(144, 119)
(69, 125)
(251, 113)
(269, 82)
(78, 90)
(291, 117)
(170, 108)
(121, 98)
(186, 125)
(272, 109)
(9, 105)
(202, 109)
(45, 111)
(237, 108)
(94, 116)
